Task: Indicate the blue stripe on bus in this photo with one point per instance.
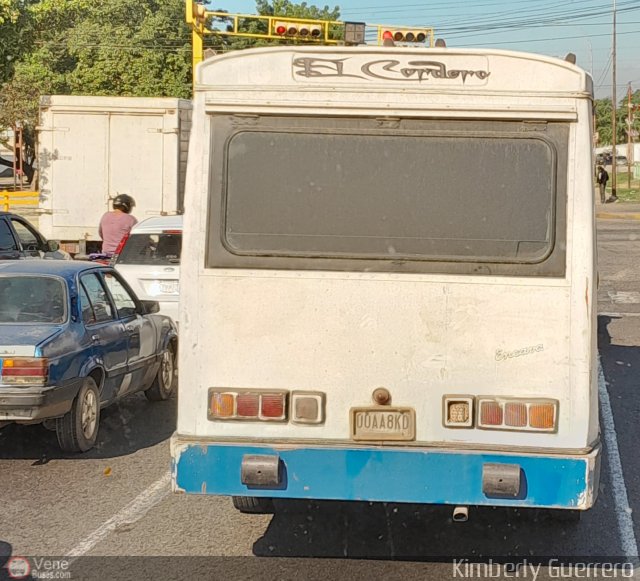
(373, 474)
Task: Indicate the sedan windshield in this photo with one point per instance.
(32, 299)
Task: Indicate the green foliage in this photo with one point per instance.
(84, 47)
(604, 119)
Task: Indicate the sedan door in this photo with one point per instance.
(140, 331)
(107, 334)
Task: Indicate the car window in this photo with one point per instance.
(32, 299)
(86, 309)
(7, 243)
(27, 236)
(98, 298)
(125, 303)
(158, 249)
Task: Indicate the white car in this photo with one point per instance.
(149, 259)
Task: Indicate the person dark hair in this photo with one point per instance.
(124, 203)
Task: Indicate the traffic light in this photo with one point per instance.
(401, 35)
(197, 13)
(298, 29)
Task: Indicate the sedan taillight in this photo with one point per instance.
(24, 371)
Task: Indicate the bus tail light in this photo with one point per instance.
(307, 407)
(248, 405)
(490, 414)
(24, 371)
(221, 405)
(244, 404)
(527, 415)
(272, 406)
(542, 416)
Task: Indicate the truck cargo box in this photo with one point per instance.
(90, 149)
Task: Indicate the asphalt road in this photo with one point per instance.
(111, 507)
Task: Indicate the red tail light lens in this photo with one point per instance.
(24, 371)
(515, 415)
(490, 413)
(119, 248)
(272, 406)
(248, 405)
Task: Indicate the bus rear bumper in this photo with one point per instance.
(386, 474)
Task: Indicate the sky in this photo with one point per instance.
(549, 27)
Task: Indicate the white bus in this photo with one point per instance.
(388, 280)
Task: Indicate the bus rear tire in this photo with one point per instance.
(253, 504)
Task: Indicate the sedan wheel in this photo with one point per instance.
(164, 382)
(77, 430)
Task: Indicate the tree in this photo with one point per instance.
(83, 47)
(603, 113)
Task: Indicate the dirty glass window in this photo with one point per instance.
(125, 304)
(32, 299)
(152, 249)
(100, 303)
(401, 197)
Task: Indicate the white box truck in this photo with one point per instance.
(90, 149)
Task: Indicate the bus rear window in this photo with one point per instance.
(458, 196)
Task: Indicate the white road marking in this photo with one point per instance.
(620, 496)
(131, 513)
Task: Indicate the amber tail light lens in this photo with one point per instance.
(542, 416)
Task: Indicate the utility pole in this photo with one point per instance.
(629, 125)
(613, 121)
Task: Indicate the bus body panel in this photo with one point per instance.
(421, 336)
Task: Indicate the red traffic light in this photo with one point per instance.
(281, 29)
(387, 35)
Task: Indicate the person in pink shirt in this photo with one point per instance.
(115, 225)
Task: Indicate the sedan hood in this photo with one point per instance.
(21, 335)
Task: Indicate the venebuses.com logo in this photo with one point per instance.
(38, 568)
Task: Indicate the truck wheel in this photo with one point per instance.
(253, 504)
(163, 384)
(77, 430)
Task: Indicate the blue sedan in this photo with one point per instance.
(75, 338)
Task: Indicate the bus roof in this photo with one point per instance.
(392, 82)
(435, 69)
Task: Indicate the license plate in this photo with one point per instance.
(383, 423)
(169, 287)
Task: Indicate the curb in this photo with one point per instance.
(618, 216)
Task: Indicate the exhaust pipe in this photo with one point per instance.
(460, 514)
